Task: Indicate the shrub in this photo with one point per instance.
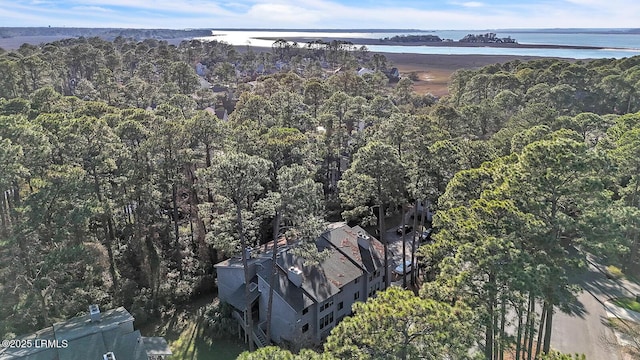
(414, 76)
(556, 355)
(627, 303)
(614, 272)
(218, 320)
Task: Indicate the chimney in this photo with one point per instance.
(94, 313)
(109, 356)
(295, 275)
(247, 253)
(363, 240)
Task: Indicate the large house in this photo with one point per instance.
(98, 335)
(309, 300)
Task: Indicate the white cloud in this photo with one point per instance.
(236, 5)
(18, 17)
(317, 14)
(93, 8)
(468, 4)
(283, 14)
(176, 6)
(472, 4)
(588, 2)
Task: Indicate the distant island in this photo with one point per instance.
(488, 38)
(470, 40)
(412, 38)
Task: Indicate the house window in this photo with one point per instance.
(305, 310)
(357, 280)
(340, 305)
(356, 296)
(305, 328)
(326, 320)
(326, 305)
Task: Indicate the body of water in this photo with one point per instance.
(615, 43)
(559, 53)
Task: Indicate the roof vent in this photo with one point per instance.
(109, 356)
(94, 313)
(295, 275)
(363, 239)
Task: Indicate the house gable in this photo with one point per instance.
(310, 299)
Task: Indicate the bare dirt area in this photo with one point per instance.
(434, 71)
(431, 81)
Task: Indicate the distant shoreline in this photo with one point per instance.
(13, 43)
(368, 41)
(594, 31)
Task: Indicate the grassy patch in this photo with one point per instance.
(625, 326)
(194, 343)
(627, 303)
(188, 336)
(614, 272)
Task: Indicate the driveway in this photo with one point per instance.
(583, 331)
(395, 245)
(586, 331)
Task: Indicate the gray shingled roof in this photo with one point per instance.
(326, 279)
(345, 239)
(236, 262)
(239, 301)
(293, 295)
(155, 346)
(373, 256)
(85, 340)
(80, 326)
(345, 262)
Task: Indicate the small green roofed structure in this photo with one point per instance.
(98, 335)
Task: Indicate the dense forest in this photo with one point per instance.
(104, 33)
(122, 182)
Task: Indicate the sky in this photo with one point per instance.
(323, 14)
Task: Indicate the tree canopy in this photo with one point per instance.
(129, 168)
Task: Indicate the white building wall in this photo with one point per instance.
(375, 284)
(309, 318)
(283, 320)
(229, 279)
(342, 303)
(286, 323)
